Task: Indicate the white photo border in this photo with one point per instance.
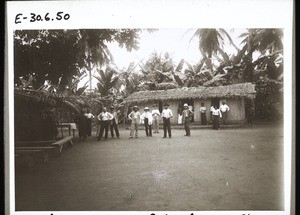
(153, 14)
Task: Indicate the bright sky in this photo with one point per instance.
(176, 42)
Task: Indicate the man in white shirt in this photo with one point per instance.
(224, 110)
(89, 117)
(104, 117)
(216, 114)
(147, 119)
(135, 117)
(155, 114)
(167, 115)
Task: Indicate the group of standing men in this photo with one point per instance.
(152, 118)
(217, 113)
(108, 119)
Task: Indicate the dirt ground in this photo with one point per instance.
(229, 169)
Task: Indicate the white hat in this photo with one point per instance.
(185, 105)
(146, 108)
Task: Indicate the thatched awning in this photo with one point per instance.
(74, 103)
(245, 90)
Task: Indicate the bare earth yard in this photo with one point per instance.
(230, 169)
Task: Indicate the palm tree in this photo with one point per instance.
(262, 40)
(158, 69)
(107, 80)
(211, 42)
(131, 82)
(94, 51)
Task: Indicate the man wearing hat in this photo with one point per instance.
(134, 116)
(186, 118)
(155, 114)
(114, 123)
(167, 115)
(147, 119)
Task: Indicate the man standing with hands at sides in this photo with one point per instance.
(166, 115)
(147, 119)
(216, 114)
(224, 110)
(114, 123)
(135, 117)
(105, 118)
(186, 117)
(155, 114)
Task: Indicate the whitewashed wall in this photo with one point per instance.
(236, 113)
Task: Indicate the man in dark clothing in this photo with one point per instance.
(186, 118)
(114, 123)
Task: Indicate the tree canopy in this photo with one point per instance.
(63, 57)
(58, 56)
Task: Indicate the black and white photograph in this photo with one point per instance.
(148, 119)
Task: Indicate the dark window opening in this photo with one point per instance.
(215, 102)
(160, 106)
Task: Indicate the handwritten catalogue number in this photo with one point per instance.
(33, 17)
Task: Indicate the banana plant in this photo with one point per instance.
(106, 80)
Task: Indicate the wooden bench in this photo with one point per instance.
(34, 143)
(33, 149)
(60, 143)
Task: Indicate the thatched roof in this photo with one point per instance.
(73, 102)
(246, 90)
(36, 97)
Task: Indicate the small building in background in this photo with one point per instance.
(237, 96)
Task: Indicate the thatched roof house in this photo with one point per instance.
(235, 95)
(31, 107)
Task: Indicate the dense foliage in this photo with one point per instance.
(60, 56)
(63, 57)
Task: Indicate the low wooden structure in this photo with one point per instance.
(30, 148)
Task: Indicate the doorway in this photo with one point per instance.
(160, 106)
(215, 102)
